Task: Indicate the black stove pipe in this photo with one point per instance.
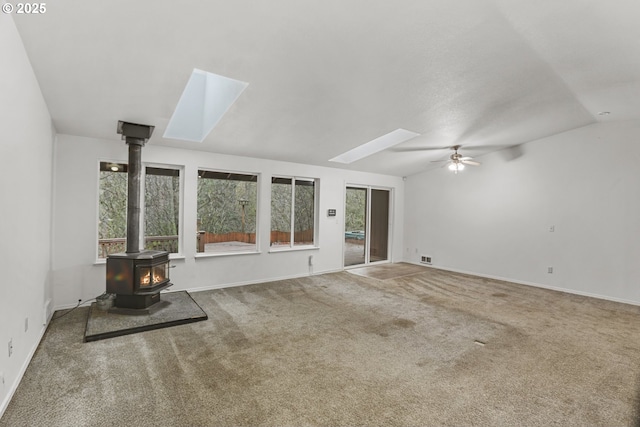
(135, 136)
(133, 194)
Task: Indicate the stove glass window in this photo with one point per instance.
(152, 276)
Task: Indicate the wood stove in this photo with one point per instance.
(136, 277)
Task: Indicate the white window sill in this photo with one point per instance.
(275, 249)
(213, 254)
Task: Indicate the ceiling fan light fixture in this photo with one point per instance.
(456, 167)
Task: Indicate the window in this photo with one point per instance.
(161, 213)
(227, 212)
(292, 212)
(162, 209)
(112, 210)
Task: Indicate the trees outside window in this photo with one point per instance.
(226, 206)
(162, 209)
(227, 212)
(161, 214)
(112, 209)
(356, 208)
(293, 212)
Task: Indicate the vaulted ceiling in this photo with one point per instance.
(327, 76)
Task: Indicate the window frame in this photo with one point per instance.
(143, 205)
(316, 202)
(179, 168)
(258, 181)
(124, 163)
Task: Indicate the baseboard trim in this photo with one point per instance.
(212, 287)
(253, 282)
(71, 306)
(14, 386)
(454, 270)
(533, 284)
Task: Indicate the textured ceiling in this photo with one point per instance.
(327, 76)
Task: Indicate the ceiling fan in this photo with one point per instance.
(456, 161)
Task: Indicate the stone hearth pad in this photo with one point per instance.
(178, 308)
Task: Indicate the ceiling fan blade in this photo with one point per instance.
(482, 147)
(466, 158)
(414, 149)
(471, 162)
(460, 147)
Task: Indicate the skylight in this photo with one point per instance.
(204, 101)
(381, 143)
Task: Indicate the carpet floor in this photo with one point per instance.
(418, 348)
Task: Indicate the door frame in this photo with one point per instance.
(367, 256)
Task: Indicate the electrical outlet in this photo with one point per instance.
(550, 270)
(10, 347)
(425, 259)
(552, 228)
(26, 324)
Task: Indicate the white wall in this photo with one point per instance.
(494, 220)
(77, 276)
(26, 150)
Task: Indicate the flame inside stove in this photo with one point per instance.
(146, 279)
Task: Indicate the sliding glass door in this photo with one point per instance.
(366, 234)
(379, 230)
(355, 223)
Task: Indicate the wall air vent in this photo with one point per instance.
(425, 259)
